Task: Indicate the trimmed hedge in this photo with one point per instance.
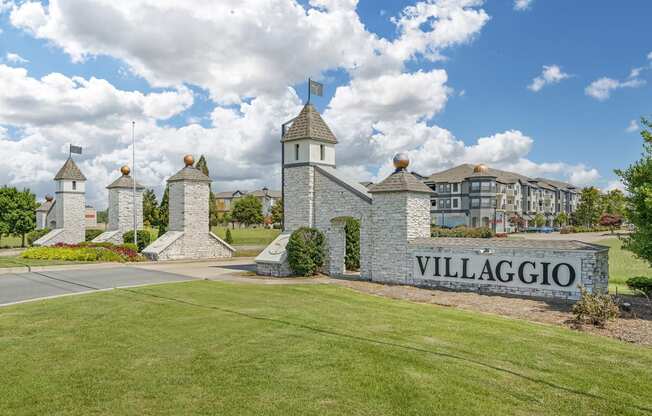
(352, 257)
(35, 235)
(306, 251)
(572, 229)
(84, 252)
(91, 234)
(144, 238)
(462, 232)
(641, 284)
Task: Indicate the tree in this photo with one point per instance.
(164, 212)
(103, 216)
(18, 212)
(5, 204)
(150, 208)
(352, 256)
(614, 202)
(517, 221)
(277, 211)
(610, 220)
(539, 220)
(248, 210)
(561, 219)
(213, 217)
(590, 207)
(637, 179)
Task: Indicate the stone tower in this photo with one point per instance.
(69, 207)
(401, 213)
(308, 142)
(121, 208)
(188, 235)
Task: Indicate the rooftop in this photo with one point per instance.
(309, 125)
(125, 181)
(189, 173)
(400, 181)
(69, 171)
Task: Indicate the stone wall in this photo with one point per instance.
(299, 197)
(71, 215)
(121, 210)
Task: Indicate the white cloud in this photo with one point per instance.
(14, 58)
(5, 5)
(649, 56)
(602, 88)
(521, 5)
(632, 126)
(614, 184)
(550, 74)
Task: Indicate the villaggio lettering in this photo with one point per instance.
(497, 270)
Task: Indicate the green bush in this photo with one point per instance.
(105, 252)
(306, 251)
(91, 234)
(35, 235)
(571, 229)
(144, 238)
(595, 308)
(228, 238)
(352, 258)
(462, 232)
(641, 284)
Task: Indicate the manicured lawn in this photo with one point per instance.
(17, 262)
(225, 349)
(248, 236)
(623, 265)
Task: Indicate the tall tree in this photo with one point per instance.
(561, 219)
(277, 211)
(150, 208)
(19, 214)
(590, 207)
(164, 212)
(248, 210)
(637, 179)
(212, 207)
(614, 202)
(5, 204)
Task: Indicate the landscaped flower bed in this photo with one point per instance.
(85, 252)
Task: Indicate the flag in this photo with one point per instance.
(75, 149)
(316, 88)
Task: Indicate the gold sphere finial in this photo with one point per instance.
(188, 160)
(48, 198)
(401, 161)
(125, 170)
(481, 168)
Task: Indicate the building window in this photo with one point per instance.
(74, 185)
(475, 203)
(433, 203)
(296, 152)
(456, 203)
(455, 187)
(322, 152)
(475, 186)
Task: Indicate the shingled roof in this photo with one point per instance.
(401, 181)
(309, 125)
(45, 206)
(189, 173)
(69, 171)
(125, 181)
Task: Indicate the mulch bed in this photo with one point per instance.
(633, 326)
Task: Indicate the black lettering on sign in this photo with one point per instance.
(544, 274)
(436, 272)
(487, 270)
(499, 271)
(571, 274)
(422, 266)
(521, 274)
(447, 272)
(465, 263)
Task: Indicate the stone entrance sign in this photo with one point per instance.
(395, 242)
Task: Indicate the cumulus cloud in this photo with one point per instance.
(649, 56)
(14, 58)
(550, 74)
(613, 185)
(602, 88)
(521, 5)
(632, 126)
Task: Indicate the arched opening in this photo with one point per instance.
(344, 247)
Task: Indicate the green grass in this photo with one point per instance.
(248, 236)
(623, 265)
(14, 261)
(215, 348)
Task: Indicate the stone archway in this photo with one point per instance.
(336, 239)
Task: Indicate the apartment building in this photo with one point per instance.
(225, 200)
(478, 196)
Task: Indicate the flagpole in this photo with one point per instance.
(133, 178)
(308, 91)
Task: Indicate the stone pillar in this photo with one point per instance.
(400, 214)
(299, 196)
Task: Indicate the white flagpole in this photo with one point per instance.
(133, 178)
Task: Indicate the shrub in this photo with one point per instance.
(352, 257)
(228, 237)
(35, 235)
(463, 232)
(595, 308)
(84, 252)
(144, 238)
(571, 229)
(641, 284)
(306, 251)
(91, 234)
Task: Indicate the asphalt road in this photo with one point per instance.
(17, 287)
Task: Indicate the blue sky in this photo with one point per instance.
(219, 85)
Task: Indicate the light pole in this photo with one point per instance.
(133, 178)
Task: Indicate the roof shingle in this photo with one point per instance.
(189, 173)
(309, 125)
(401, 181)
(69, 171)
